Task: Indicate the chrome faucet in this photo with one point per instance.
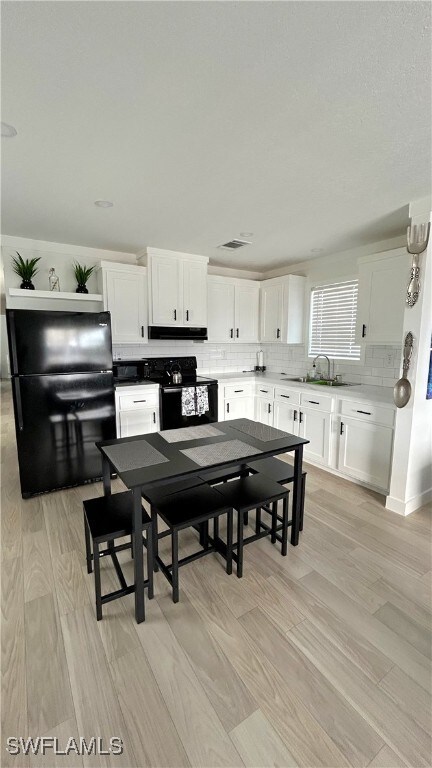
(329, 376)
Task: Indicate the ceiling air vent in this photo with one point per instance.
(232, 245)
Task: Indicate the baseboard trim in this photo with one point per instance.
(407, 507)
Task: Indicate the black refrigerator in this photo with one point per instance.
(63, 395)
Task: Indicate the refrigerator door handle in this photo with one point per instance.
(18, 403)
(13, 348)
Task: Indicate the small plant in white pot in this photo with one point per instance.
(82, 274)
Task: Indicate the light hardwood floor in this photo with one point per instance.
(321, 658)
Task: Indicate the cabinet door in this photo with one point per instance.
(271, 313)
(195, 294)
(220, 311)
(246, 313)
(138, 422)
(286, 417)
(126, 295)
(264, 410)
(365, 451)
(166, 304)
(315, 427)
(239, 408)
(381, 300)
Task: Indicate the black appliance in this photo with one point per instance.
(63, 394)
(160, 370)
(177, 333)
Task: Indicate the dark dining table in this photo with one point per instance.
(160, 458)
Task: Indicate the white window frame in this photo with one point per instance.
(341, 360)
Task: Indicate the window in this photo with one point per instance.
(333, 317)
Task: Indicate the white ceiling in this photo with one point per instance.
(306, 123)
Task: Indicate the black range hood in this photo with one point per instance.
(178, 333)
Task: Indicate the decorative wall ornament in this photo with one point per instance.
(417, 242)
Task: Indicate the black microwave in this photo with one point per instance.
(131, 370)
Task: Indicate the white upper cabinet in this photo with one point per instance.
(124, 289)
(282, 310)
(177, 288)
(271, 311)
(165, 291)
(247, 312)
(383, 280)
(221, 304)
(233, 309)
(195, 293)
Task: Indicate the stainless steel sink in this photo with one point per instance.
(323, 382)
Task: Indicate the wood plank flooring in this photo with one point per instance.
(321, 658)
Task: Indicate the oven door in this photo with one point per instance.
(171, 408)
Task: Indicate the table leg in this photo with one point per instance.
(298, 459)
(138, 558)
(106, 474)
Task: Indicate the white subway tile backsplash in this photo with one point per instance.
(381, 367)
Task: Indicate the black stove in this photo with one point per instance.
(160, 370)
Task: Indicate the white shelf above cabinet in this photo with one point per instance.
(59, 295)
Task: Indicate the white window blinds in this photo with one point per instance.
(333, 321)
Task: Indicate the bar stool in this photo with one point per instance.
(106, 519)
(281, 473)
(256, 492)
(220, 476)
(189, 507)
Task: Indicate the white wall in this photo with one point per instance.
(411, 480)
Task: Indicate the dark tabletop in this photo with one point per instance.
(181, 466)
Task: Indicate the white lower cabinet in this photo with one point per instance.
(241, 407)
(315, 426)
(264, 410)
(285, 417)
(137, 410)
(139, 422)
(365, 451)
(236, 401)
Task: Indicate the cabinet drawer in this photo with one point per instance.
(378, 414)
(138, 400)
(316, 402)
(238, 390)
(264, 390)
(289, 396)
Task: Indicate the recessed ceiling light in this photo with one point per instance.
(104, 203)
(246, 234)
(8, 131)
(317, 250)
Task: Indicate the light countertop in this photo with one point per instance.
(368, 392)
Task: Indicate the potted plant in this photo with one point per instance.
(82, 274)
(26, 270)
